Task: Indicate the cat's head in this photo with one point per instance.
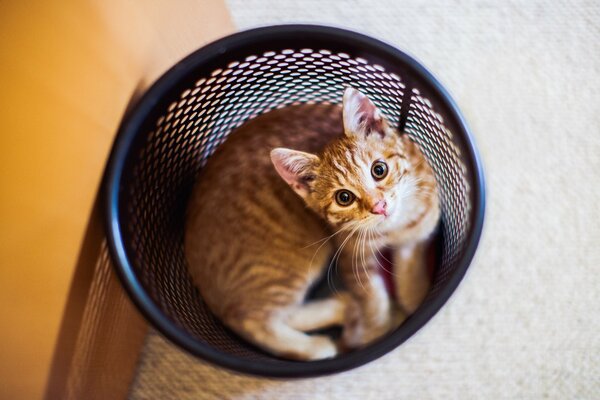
(363, 178)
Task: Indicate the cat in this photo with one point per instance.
(287, 191)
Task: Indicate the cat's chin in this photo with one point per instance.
(388, 223)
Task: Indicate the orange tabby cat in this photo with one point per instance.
(255, 247)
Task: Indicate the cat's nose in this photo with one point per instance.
(380, 208)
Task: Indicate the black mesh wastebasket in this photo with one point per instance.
(167, 136)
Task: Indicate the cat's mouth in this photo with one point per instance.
(382, 223)
(383, 213)
(375, 221)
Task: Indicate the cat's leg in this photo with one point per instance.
(368, 313)
(318, 314)
(411, 275)
(275, 335)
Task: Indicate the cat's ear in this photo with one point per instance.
(361, 116)
(296, 168)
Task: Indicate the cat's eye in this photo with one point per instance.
(344, 197)
(379, 170)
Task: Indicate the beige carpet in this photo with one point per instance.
(525, 322)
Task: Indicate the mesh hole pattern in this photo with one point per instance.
(199, 117)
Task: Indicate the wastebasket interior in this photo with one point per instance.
(194, 116)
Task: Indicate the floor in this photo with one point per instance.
(524, 322)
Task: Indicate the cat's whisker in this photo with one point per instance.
(319, 248)
(335, 259)
(354, 256)
(360, 252)
(326, 238)
(367, 242)
(370, 233)
(330, 283)
(377, 260)
(377, 248)
(364, 261)
(339, 250)
(355, 269)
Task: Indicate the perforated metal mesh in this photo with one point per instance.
(427, 128)
(180, 137)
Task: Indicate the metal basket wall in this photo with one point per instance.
(170, 133)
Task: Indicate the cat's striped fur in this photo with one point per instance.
(255, 247)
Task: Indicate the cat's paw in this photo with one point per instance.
(353, 324)
(312, 348)
(322, 347)
(359, 330)
(362, 327)
(360, 334)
